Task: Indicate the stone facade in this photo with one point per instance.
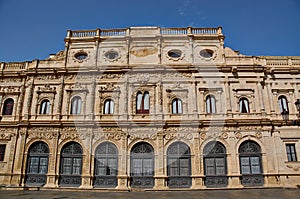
(151, 108)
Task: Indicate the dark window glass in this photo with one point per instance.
(38, 158)
(2, 151)
(174, 53)
(244, 105)
(206, 53)
(291, 152)
(8, 107)
(215, 159)
(179, 160)
(106, 160)
(71, 159)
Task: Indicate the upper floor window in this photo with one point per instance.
(283, 104)
(244, 105)
(142, 103)
(211, 104)
(76, 105)
(176, 106)
(2, 151)
(45, 107)
(8, 107)
(291, 152)
(108, 106)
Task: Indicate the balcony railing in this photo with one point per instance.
(126, 32)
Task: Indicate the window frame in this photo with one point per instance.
(244, 107)
(110, 109)
(291, 155)
(45, 109)
(283, 104)
(142, 102)
(8, 107)
(76, 105)
(2, 152)
(210, 102)
(176, 106)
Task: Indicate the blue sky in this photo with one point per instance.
(33, 29)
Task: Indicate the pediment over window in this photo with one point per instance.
(46, 89)
(77, 87)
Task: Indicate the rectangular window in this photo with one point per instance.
(2, 151)
(291, 152)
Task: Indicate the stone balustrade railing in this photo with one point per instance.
(282, 61)
(14, 66)
(126, 32)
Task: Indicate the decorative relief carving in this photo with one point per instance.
(221, 135)
(7, 133)
(238, 135)
(46, 135)
(77, 87)
(46, 89)
(143, 78)
(75, 133)
(295, 166)
(109, 133)
(179, 136)
(58, 56)
(109, 76)
(2, 164)
(10, 89)
(109, 87)
(48, 77)
(10, 80)
(143, 51)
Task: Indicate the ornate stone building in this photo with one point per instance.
(150, 108)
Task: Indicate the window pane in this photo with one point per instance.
(146, 101)
(34, 165)
(139, 101)
(112, 166)
(2, 151)
(111, 107)
(77, 166)
(220, 166)
(184, 167)
(174, 106)
(137, 167)
(179, 106)
(43, 165)
(209, 166)
(147, 167)
(173, 165)
(245, 165)
(106, 107)
(66, 168)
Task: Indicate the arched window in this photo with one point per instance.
(8, 107)
(215, 168)
(283, 104)
(142, 165)
(106, 165)
(244, 105)
(142, 103)
(250, 164)
(37, 164)
(70, 164)
(108, 106)
(76, 105)
(176, 106)
(179, 165)
(45, 107)
(210, 104)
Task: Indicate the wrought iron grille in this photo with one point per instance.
(106, 165)
(37, 164)
(71, 165)
(250, 164)
(142, 166)
(179, 165)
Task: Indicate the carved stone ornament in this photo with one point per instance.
(46, 89)
(75, 133)
(58, 56)
(47, 77)
(143, 78)
(293, 166)
(78, 87)
(179, 136)
(10, 80)
(6, 133)
(108, 136)
(238, 135)
(214, 135)
(258, 135)
(109, 87)
(2, 164)
(142, 136)
(10, 89)
(40, 135)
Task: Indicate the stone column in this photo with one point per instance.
(160, 169)
(228, 98)
(123, 177)
(233, 162)
(16, 178)
(51, 175)
(86, 182)
(197, 180)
